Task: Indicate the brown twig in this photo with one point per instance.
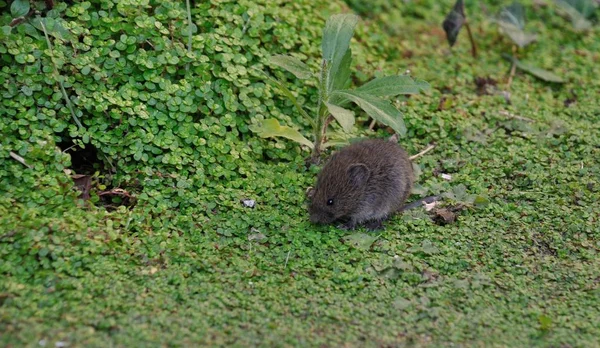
(473, 46)
(116, 192)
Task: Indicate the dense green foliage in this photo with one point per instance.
(189, 264)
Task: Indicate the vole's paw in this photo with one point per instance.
(374, 225)
(347, 226)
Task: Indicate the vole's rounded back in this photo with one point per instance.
(364, 181)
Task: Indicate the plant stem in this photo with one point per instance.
(513, 67)
(473, 46)
(60, 83)
(189, 17)
(322, 113)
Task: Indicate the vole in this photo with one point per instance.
(363, 183)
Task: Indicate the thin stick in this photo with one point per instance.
(19, 159)
(513, 68)
(473, 46)
(287, 258)
(189, 18)
(372, 124)
(429, 148)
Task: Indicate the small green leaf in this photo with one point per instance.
(19, 8)
(27, 91)
(344, 117)
(293, 65)
(428, 248)
(512, 21)
(360, 241)
(379, 109)
(271, 128)
(545, 322)
(481, 201)
(6, 29)
(454, 21)
(390, 86)
(535, 71)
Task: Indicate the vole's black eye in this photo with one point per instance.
(330, 201)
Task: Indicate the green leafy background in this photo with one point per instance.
(190, 264)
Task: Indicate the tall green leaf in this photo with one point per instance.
(578, 11)
(390, 86)
(291, 64)
(336, 41)
(512, 21)
(271, 128)
(380, 110)
(340, 74)
(535, 71)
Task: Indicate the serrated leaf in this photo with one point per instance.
(19, 8)
(512, 21)
(338, 31)
(390, 86)
(344, 117)
(291, 64)
(271, 128)
(379, 109)
(578, 11)
(454, 21)
(535, 71)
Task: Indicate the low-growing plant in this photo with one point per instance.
(511, 21)
(334, 96)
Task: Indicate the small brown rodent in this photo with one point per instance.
(363, 183)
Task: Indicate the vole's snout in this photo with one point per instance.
(320, 217)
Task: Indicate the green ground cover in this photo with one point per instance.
(177, 259)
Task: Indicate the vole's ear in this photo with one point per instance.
(310, 192)
(358, 174)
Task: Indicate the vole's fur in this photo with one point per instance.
(364, 182)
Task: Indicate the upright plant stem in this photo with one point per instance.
(320, 125)
(59, 80)
(189, 16)
(473, 46)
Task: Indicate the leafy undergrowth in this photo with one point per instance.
(189, 263)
